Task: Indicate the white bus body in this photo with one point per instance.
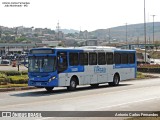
(103, 65)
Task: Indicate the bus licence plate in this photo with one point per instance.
(38, 84)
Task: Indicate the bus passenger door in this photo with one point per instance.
(101, 74)
(91, 76)
(110, 66)
(92, 64)
(62, 65)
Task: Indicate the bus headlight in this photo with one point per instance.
(52, 78)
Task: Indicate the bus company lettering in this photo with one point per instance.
(99, 69)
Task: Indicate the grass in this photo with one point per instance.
(13, 85)
(140, 75)
(18, 77)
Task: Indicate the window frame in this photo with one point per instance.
(73, 60)
(124, 60)
(85, 61)
(133, 60)
(99, 59)
(116, 59)
(91, 61)
(109, 60)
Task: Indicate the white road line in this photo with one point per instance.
(128, 103)
(78, 97)
(108, 106)
(44, 118)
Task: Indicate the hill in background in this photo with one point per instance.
(135, 33)
(66, 31)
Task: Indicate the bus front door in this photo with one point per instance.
(62, 67)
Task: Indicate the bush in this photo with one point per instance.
(13, 85)
(2, 75)
(13, 73)
(23, 79)
(4, 80)
(140, 75)
(24, 72)
(15, 77)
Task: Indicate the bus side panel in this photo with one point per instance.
(62, 79)
(65, 78)
(102, 73)
(90, 75)
(125, 72)
(110, 73)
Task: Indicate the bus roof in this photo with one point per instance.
(88, 48)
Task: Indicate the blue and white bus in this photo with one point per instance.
(69, 67)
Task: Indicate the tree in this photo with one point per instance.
(157, 44)
(21, 39)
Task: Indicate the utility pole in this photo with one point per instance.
(0, 32)
(145, 28)
(109, 36)
(126, 35)
(153, 27)
(58, 27)
(138, 41)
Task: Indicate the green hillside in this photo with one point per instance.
(135, 32)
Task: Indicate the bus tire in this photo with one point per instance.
(116, 80)
(49, 89)
(73, 84)
(94, 85)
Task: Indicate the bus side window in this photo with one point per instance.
(101, 58)
(117, 58)
(73, 59)
(92, 58)
(124, 58)
(131, 58)
(62, 61)
(83, 58)
(109, 57)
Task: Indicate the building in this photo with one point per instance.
(10, 48)
(134, 46)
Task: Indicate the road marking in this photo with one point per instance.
(128, 103)
(78, 97)
(44, 118)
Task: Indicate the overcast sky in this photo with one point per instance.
(78, 14)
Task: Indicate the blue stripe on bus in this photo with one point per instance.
(124, 66)
(71, 69)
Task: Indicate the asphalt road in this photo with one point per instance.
(133, 95)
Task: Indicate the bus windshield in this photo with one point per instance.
(42, 64)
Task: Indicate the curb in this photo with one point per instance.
(16, 89)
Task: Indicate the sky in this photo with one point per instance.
(78, 14)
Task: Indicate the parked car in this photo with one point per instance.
(5, 62)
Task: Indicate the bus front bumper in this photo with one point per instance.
(53, 83)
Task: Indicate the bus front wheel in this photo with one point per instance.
(116, 80)
(73, 84)
(49, 89)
